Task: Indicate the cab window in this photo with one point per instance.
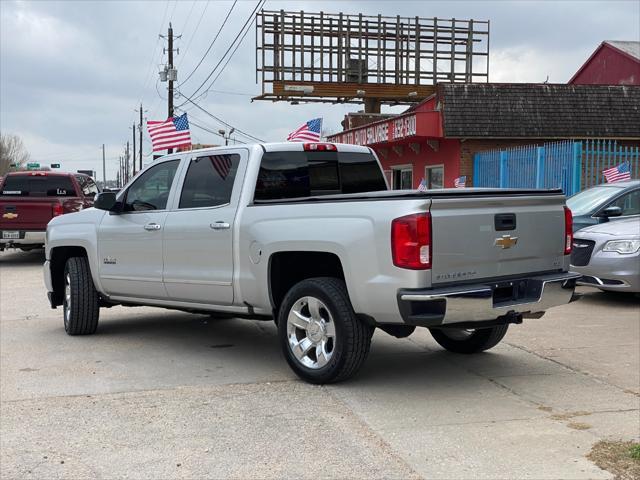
(209, 181)
(151, 190)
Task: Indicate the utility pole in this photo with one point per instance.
(126, 163)
(170, 73)
(140, 127)
(104, 169)
(133, 131)
(170, 96)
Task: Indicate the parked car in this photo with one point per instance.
(609, 201)
(608, 256)
(28, 200)
(308, 235)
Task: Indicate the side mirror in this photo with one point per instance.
(105, 201)
(612, 211)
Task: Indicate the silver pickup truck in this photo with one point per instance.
(308, 235)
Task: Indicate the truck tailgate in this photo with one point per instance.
(476, 237)
(26, 213)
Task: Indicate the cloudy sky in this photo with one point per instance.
(72, 73)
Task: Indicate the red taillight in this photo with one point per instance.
(568, 230)
(411, 241)
(57, 209)
(320, 147)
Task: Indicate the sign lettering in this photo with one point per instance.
(395, 129)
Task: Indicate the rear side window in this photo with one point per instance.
(38, 186)
(301, 174)
(209, 181)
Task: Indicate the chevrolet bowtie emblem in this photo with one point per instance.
(10, 215)
(507, 241)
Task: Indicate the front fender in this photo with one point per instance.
(79, 231)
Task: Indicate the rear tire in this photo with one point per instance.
(81, 305)
(322, 338)
(459, 340)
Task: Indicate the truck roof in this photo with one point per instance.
(277, 147)
(43, 173)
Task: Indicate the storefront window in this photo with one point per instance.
(434, 177)
(403, 178)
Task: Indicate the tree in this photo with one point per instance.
(12, 152)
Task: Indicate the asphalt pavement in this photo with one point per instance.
(163, 394)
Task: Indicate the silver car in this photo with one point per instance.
(608, 255)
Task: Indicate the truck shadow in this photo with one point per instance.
(16, 258)
(251, 349)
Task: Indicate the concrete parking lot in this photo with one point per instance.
(164, 394)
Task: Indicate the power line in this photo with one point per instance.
(186, 22)
(240, 33)
(226, 92)
(226, 63)
(211, 131)
(150, 69)
(193, 35)
(191, 122)
(210, 45)
(219, 119)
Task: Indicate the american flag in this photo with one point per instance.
(460, 182)
(618, 173)
(222, 164)
(423, 186)
(170, 133)
(308, 132)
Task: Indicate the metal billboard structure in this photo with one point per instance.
(339, 58)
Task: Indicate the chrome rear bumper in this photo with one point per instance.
(25, 238)
(513, 298)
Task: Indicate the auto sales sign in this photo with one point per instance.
(380, 132)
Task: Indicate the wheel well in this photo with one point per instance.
(59, 257)
(288, 268)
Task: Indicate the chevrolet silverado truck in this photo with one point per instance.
(28, 200)
(308, 235)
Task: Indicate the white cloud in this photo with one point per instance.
(532, 65)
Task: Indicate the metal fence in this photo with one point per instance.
(598, 155)
(569, 165)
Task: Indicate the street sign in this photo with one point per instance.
(33, 166)
(55, 165)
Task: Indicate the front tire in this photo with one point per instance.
(322, 338)
(81, 305)
(459, 340)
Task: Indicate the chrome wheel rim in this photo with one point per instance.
(311, 332)
(67, 298)
(458, 333)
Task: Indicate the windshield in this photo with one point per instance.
(586, 201)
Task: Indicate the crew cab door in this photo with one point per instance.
(198, 233)
(130, 242)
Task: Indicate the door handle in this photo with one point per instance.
(220, 226)
(152, 226)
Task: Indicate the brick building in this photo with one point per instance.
(437, 138)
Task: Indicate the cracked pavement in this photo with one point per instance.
(164, 394)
